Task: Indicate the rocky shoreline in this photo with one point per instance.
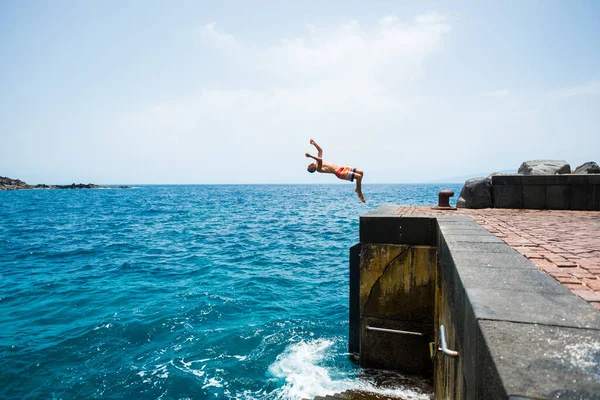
(17, 184)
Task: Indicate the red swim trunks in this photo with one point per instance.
(346, 173)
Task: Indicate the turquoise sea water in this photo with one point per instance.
(225, 291)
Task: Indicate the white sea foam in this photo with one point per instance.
(197, 372)
(298, 364)
(187, 367)
(304, 377)
(161, 371)
(212, 382)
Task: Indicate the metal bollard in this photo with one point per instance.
(444, 200)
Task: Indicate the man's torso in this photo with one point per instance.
(329, 168)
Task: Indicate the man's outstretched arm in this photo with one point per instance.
(319, 161)
(319, 149)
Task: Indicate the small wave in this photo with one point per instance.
(304, 377)
(212, 382)
(186, 367)
(107, 326)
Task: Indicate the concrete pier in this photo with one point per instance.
(514, 330)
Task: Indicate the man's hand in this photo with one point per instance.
(307, 155)
(312, 141)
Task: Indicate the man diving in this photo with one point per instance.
(344, 173)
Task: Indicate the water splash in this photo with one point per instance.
(301, 365)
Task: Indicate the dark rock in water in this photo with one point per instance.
(79, 186)
(12, 184)
(544, 167)
(587, 168)
(476, 193)
(16, 184)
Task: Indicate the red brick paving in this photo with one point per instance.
(564, 244)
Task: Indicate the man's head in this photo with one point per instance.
(311, 168)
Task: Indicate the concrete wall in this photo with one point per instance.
(397, 289)
(552, 192)
(394, 283)
(519, 333)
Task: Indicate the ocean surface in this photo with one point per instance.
(184, 292)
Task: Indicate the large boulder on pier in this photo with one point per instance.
(476, 193)
(12, 184)
(587, 168)
(544, 167)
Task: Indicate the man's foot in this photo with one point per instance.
(360, 196)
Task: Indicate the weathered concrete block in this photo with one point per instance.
(534, 197)
(394, 229)
(457, 238)
(538, 361)
(526, 279)
(581, 197)
(576, 179)
(469, 353)
(508, 196)
(593, 179)
(506, 180)
(397, 291)
(462, 230)
(533, 308)
(540, 180)
(477, 247)
(397, 282)
(404, 353)
(502, 260)
(557, 197)
(354, 310)
(489, 384)
(449, 376)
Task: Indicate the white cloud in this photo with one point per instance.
(343, 86)
(388, 53)
(211, 35)
(357, 90)
(389, 50)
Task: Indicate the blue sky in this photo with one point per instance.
(231, 92)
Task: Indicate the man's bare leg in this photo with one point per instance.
(358, 175)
